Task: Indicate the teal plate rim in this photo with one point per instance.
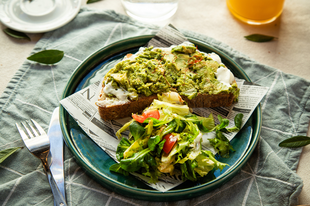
(144, 194)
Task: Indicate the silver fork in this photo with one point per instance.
(37, 142)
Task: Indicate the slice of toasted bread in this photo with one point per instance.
(132, 85)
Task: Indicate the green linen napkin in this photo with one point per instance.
(269, 177)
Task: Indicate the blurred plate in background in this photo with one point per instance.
(20, 15)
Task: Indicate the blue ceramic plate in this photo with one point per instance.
(96, 162)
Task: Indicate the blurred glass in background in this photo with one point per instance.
(150, 10)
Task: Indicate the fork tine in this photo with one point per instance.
(28, 130)
(33, 129)
(39, 128)
(21, 132)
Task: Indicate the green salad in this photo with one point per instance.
(167, 138)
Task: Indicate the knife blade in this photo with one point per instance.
(56, 151)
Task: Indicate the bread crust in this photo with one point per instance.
(208, 100)
(201, 100)
(125, 110)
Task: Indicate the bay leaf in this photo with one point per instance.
(7, 152)
(47, 56)
(16, 34)
(259, 38)
(92, 1)
(296, 141)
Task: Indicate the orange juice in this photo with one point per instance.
(256, 11)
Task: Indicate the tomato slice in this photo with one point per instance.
(150, 113)
(170, 142)
(138, 118)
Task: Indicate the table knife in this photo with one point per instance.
(56, 151)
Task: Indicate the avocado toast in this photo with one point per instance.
(132, 84)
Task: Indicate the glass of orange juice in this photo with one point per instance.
(256, 12)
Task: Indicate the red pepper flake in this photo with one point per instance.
(166, 79)
(175, 58)
(163, 57)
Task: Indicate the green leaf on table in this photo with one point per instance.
(16, 34)
(47, 56)
(259, 38)
(7, 152)
(92, 1)
(297, 141)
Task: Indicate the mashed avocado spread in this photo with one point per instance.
(181, 69)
